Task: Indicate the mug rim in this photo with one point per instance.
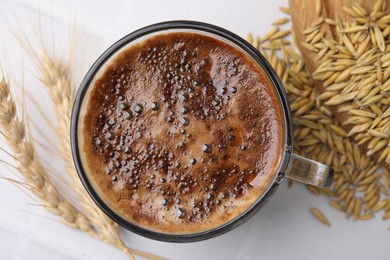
(285, 111)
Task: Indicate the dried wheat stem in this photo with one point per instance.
(55, 75)
(15, 131)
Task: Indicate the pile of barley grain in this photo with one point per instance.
(356, 73)
(361, 187)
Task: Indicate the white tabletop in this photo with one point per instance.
(283, 229)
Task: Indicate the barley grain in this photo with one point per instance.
(320, 216)
(318, 7)
(281, 21)
(284, 10)
(269, 34)
(366, 217)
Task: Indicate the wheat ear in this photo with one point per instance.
(15, 130)
(55, 75)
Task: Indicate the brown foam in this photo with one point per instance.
(143, 164)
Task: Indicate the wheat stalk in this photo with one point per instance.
(55, 76)
(14, 129)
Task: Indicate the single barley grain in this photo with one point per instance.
(319, 216)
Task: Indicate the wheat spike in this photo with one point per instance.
(14, 129)
(56, 77)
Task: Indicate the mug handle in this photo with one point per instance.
(310, 172)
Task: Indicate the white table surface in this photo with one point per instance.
(283, 229)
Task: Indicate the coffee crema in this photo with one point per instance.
(181, 132)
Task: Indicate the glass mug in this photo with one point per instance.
(291, 165)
